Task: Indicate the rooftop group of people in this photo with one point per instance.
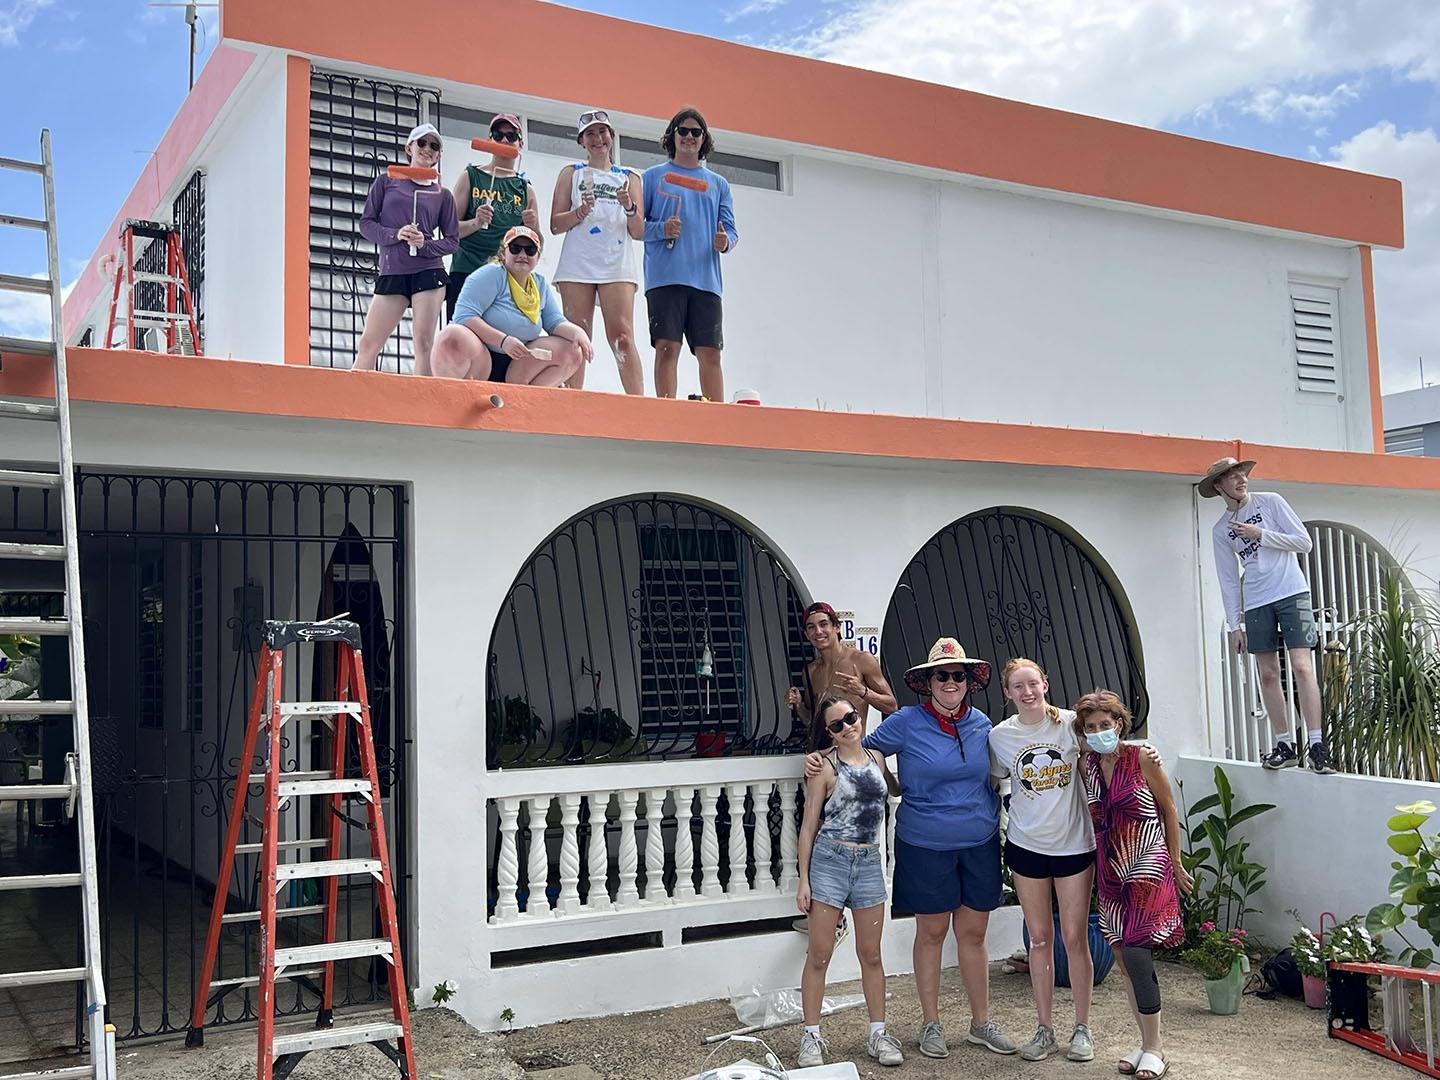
(505, 321)
(1088, 811)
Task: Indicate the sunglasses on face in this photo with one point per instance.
(521, 247)
(506, 135)
(837, 726)
(693, 132)
(947, 676)
(599, 116)
(429, 144)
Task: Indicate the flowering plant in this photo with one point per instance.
(1351, 943)
(1215, 951)
(1309, 958)
(445, 991)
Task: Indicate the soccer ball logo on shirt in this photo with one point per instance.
(1042, 767)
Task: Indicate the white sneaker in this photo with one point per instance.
(812, 1051)
(885, 1048)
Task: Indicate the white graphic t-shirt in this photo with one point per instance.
(1048, 814)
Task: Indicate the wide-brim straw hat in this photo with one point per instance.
(1219, 469)
(945, 652)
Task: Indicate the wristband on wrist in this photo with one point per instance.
(501, 346)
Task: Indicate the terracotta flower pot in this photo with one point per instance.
(1314, 991)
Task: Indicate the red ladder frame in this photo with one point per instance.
(174, 298)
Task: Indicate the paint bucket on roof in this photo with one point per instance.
(746, 397)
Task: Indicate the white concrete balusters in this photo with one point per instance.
(507, 867)
(628, 894)
(738, 849)
(760, 842)
(709, 842)
(789, 838)
(597, 855)
(537, 868)
(655, 846)
(684, 845)
(569, 902)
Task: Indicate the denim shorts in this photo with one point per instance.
(844, 876)
(1290, 620)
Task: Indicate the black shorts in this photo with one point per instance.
(452, 295)
(499, 366)
(1032, 864)
(407, 285)
(681, 312)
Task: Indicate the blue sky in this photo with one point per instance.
(1348, 82)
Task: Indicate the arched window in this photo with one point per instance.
(1008, 582)
(646, 628)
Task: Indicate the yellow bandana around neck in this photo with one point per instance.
(526, 297)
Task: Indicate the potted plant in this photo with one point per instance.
(1310, 960)
(1221, 959)
(1415, 884)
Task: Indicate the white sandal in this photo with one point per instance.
(1153, 1064)
(1130, 1062)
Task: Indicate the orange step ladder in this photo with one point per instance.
(177, 319)
(279, 1054)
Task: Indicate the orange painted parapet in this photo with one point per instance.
(122, 377)
(1372, 346)
(792, 98)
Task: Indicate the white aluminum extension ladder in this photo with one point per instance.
(76, 791)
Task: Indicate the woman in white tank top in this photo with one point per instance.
(596, 207)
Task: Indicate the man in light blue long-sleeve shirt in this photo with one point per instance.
(689, 224)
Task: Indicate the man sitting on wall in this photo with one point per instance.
(1267, 601)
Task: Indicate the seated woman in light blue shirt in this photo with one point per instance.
(508, 325)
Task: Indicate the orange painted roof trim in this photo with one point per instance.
(792, 98)
(120, 377)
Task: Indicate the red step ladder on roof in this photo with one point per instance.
(279, 1054)
(177, 318)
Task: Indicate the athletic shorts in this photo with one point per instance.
(452, 295)
(844, 875)
(680, 312)
(499, 366)
(1033, 864)
(930, 882)
(407, 285)
(1291, 620)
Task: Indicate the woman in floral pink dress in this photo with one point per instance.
(1139, 877)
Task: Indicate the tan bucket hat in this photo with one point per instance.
(1219, 469)
(944, 652)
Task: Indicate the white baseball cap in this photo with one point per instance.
(419, 130)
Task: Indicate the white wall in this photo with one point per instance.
(244, 207)
(874, 290)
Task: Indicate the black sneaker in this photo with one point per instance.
(1282, 757)
(1319, 759)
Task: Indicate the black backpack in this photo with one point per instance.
(1281, 976)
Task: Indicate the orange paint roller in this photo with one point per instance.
(679, 180)
(499, 149)
(420, 174)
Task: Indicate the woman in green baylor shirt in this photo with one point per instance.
(493, 199)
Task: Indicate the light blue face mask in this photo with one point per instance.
(1103, 742)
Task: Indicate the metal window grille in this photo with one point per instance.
(357, 128)
(1408, 440)
(189, 217)
(1008, 583)
(150, 635)
(646, 628)
(194, 716)
(1314, 312)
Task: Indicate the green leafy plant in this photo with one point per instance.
(1415, 884)
(444, 991)
(521, 723)
(1218, 858)
(1305, 948)
(1385, 714)
(507, 1017)
(1215, 950)
(1352, 943)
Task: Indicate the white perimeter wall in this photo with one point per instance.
(465, 550)
(871, 290)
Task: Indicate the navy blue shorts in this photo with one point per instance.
(929, 882)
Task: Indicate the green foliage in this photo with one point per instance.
(444, 991)
(521, 723)
(1215, 950)
(1218, 859)
(1415, 885)
(1386, 716)
(1305, 948)
(507, 1017)
(1352, 943)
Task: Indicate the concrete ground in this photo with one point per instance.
(1266, 1040)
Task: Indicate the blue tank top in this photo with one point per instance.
(855, 810)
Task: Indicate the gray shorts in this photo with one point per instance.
(844, 876)
(1290, 620)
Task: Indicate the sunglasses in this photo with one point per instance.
(598, 116)
(508, 135)
(429, 144)
(948, 676)
(837, 726)
(521, 247)
(693, 132)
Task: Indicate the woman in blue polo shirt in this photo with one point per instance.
(947, 834)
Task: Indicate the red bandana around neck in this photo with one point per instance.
(947, 724)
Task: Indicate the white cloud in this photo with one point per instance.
(17, 16)
(1406, 282)
(1142, 61)
(27, 315)
(754, 7)
(1272, 104)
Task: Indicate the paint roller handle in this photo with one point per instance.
(672, 231)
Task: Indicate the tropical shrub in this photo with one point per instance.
(1415, 884)
(1218, 858)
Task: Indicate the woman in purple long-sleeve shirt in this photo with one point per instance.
(413, 225)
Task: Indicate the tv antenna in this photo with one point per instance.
(192, 18)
